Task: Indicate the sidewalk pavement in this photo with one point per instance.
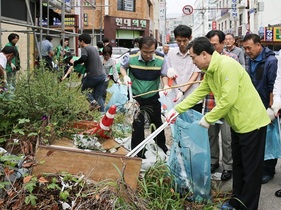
(268, 201)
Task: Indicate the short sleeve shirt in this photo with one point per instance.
(184, 67)
(3, 60)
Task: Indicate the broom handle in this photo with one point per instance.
(141, 145)
(176, 86)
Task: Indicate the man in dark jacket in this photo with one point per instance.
(95, 73)
(262, 70)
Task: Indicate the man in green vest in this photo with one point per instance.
(142, 69)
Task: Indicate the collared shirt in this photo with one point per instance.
(46, 47)
(125, 61)
(255, 62)
(240, 54)
(184, 67)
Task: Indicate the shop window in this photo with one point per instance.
(126, 5)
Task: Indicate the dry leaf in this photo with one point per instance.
(8, 172)
(27, 179)
(42, 180)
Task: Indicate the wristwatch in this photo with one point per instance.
(181, 91)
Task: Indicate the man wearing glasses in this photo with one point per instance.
(143, 70)
(179, 61)
(248, 121)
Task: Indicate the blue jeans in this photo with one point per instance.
(97, 85)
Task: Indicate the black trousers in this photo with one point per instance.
(48, 62)
(152, 107)
(248, 155)
(269, 167)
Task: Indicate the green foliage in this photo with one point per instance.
(157, 188)
(41, 99)
(29, 186)
(64, 195)
(30, 199)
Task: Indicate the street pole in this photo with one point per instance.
(164, 35)
(93, 22)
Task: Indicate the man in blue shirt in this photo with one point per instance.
(262, 70)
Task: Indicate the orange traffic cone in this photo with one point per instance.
(103, 128)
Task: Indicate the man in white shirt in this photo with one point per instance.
(178, 59)
(6, 55)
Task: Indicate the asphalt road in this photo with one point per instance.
(268, 201)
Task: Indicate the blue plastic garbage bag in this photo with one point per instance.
(119, 96)
(167, 101)
(272, 143)
(189, 159)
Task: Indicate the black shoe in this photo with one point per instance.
(278, 193)
(94, 105)
(214, 167)
(265, 179)
(226, 175)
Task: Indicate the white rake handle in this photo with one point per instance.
(130, 92)
(139, 147)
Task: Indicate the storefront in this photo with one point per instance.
(122, 31)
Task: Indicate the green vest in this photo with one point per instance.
(145, 76)
(80, 68)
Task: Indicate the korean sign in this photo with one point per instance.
(128, 23)
(233, 11)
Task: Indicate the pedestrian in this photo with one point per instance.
(232, 48)
(14, 65)
(46, 49)
(217, 39)
(95, 73)
(262, 71)
(6, 55)
(100, 47)
(238, 102)
(62, 49)
(166, 49)
(108, 64)
(143, 69)
(137, 41)
(276, 106)
(179, 61)
(105, 41)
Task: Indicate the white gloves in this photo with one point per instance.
(171, 116)
(118, 81)
(270, 113)
(204, 123)
(127, 79)
(171, 73)
(276, 106)
(13, 66)
(179, 96)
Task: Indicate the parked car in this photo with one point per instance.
(117, 52)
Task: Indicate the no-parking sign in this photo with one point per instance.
(187, 10)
